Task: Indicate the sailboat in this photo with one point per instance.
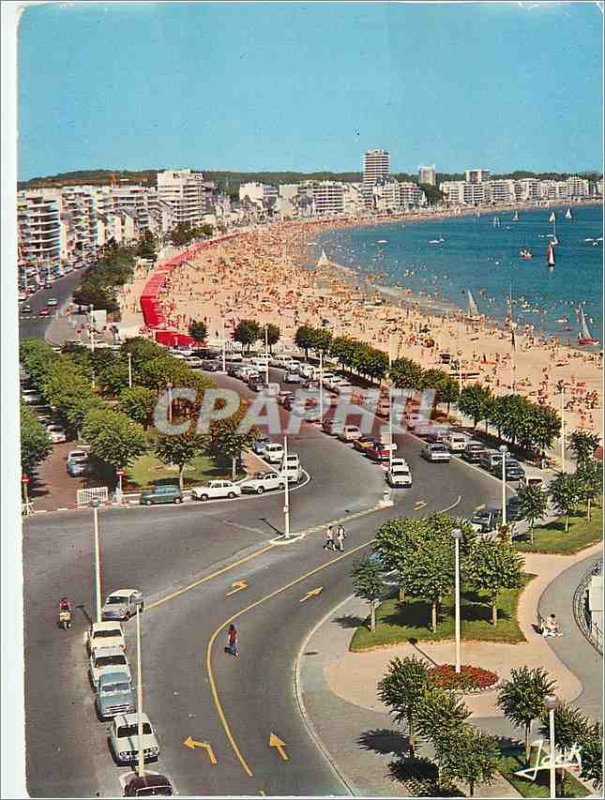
(472, 314)
(516, 216)
(496, 222)
(553, 219)
(568, 214)
(584, 337)
(550, 255)
(323, 261)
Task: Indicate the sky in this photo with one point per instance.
(309, 86)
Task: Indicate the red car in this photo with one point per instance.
(44, 312)
(152, 784)
(380, 451)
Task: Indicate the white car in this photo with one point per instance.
(456, 442)
(399, 462)
(51, 302)
(103, 661)
(263, 482)
(343, 386)
(56, 434)
(30, 396)
(274, 453)
(194, 362)
(105, 635)
(436, 453)
(77, 457)
(307, 371)
(124, 738)
(290, 468)
(216, 489)
(350, 433)
(122, 604)
(292, 377)
(399, 476)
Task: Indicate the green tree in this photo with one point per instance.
(571, 727)
(589, 476)
(521, 698)
(565, 492)
(115, 379)
(583, 445)
(402, 689)
(368, 583)
(181, 234)
(273, 335)
(406, 374)
(322, 341)
(138, 404)
(35, 442)
(533, 501)
(180, 450)
(198, 331)
(439, 714)
(474, 402)
(592, 756)
(113, 437)
(247, 333)
(146, 247)
(492, 566)
(468, 755)
(227, 443)
(305, 338)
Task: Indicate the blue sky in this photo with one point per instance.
(309, 86)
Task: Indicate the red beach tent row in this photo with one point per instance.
(153, 315)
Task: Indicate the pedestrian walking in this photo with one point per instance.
(232, 640)
(340, 538)
(329, 543)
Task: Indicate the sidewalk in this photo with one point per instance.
(338, 688)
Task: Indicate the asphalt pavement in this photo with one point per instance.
(33, 326)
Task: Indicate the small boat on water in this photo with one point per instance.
(526, 253)
(563, 319)
(437, 241)
(516, 216)
(584, 337)
(550, 256)
(382, 241)
(473, 314)
(568, 214)
(496, 222)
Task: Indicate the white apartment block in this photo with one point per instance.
(599, 187)
(477, 175)
(577, 187)
(328, 197)
(376, 166)
(386, 196)
(500, 191)
(427, 175)
(411, 195)
(527, 189)
(262, 195)
(42, 239)
(353, 199)
(186, 191)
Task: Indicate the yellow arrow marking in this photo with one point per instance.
(312, 593)
(263, 792)
(192, 744)
(420, 504)
(275, 741)
(237, 586)
(478, 508)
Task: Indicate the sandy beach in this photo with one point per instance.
(264, 275)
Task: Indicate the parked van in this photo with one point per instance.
(490, 459)
(456, 442)
(291, 468)
(534, 480)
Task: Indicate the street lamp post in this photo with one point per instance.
(321, 387)
(141, 751)
(91, 310)
(223, 347)
(551, 702)
(457, 536)
(563, 428)
(286, 492)
(95, 519)
(267, 353)
(129, 356)
(390, 405)
(169, 387)
(504, 451)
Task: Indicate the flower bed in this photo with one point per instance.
(469, 679)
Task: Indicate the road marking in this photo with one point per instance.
(420, 504)
(263, 792)
(237, 586)
(192, 744)
(478, 508)
(275, 741)
(312, 593)
(208, 577)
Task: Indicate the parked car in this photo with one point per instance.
(487, 520)
(490, 459)
(399, 476)
(274, 453)
(211, 365)
(257, 383)
(383, 407)
(342, 386)
(333, 427)
(115, 695)
(436, 452)
(456, 442)
(122, 604)
(76, 469)
(513, 470)
(399, 462)
(151, 784)
(56, 433)
(307, 370)
(260, 444)
(292, 377)
(194, 362)
(263, 482)
(214, 490)
(77, 457)
(26, 308)
(30, 396)
(52, 301)
(534, 480)
(104, 635)
(290, 468)
(102, 662)
(160, 494)
(232, 369)
(365, 443)
(44, 311)
(473, 452)
(349, 433)
(381, 451)
(124, 739)
(513, 509)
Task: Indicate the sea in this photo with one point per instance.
(440, 260)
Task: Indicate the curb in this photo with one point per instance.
(307, 721)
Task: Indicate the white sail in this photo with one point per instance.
(516, 216)
(473, 309)
(584, 329)
(552, 217)
(324, 261)
(550, 255)
(568, 214)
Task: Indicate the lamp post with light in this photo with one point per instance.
(551, 703)
(95, 519)
(503, 451)
(457, 536)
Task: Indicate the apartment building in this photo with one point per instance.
(262, 195)
(376, 170)
(42, 239)
(411, 195)
(188, 194)
(427, 175)
(499, 191)
(477, 175)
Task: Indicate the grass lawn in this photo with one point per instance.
(553, 539)
(513, 760)
(148, 470)
(400, 622)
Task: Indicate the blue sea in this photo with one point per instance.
(442, 259)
